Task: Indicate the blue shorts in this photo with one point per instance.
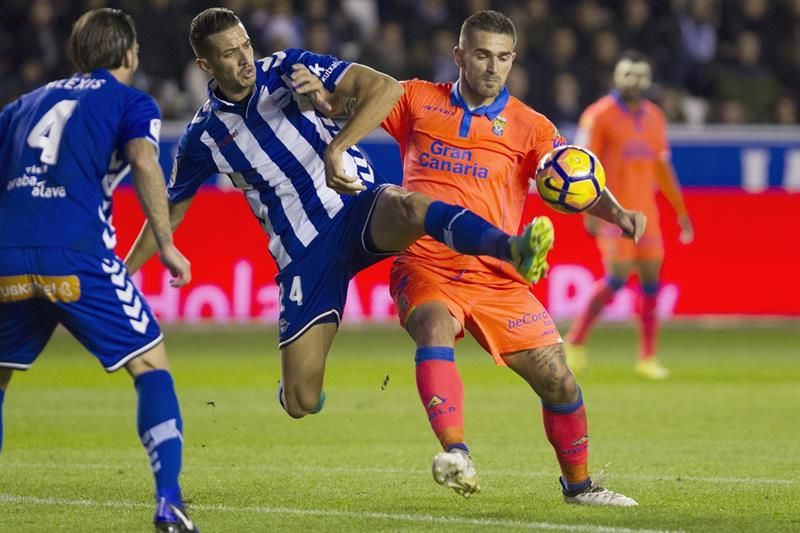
(313, 288)
(91, 295)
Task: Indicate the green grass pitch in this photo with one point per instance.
(716, 448)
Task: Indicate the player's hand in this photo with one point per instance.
(335, 176)
(177, 264)
(632, 224)
(307, 83)
(687, 229)
(592, 225)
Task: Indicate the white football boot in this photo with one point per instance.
(454, 469)
(597, 495)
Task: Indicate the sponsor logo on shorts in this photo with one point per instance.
(63, 289)
(530, 318)
(402, 304)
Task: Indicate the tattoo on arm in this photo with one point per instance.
(346, 108)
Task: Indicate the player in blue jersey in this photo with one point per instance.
(312, 189)
(63, 149)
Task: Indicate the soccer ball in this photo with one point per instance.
(570, 179)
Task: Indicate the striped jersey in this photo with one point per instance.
(61, 157)
(271, 146)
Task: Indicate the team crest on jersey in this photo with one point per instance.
(499, 125)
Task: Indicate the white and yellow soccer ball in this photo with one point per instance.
(570, 179)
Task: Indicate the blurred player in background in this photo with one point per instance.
(309, 187)
(63, 150)
(629, 135)
(471, 143)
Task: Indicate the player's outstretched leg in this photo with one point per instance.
(160, 429)
(441, 392)
(401, 217)
(565, 425)
(5, 377)
(602, 293)
(648, 364)
(300, 391)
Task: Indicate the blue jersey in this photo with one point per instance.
(62, 155)
(271, 147)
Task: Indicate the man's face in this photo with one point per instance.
(229, 59)
(632, 78)
(485, 60)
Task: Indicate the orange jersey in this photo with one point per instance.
(632, 145)
(482, 160)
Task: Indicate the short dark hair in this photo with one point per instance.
(634, 56)
(100, 38)
(489, 21)
(208, 22)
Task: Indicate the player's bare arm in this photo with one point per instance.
(307, 83)
(375, 94)
(145, 244)
(157, 232)
(669, 185)
(632, 223)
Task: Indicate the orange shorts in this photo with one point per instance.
(501, 314)
(618, 249)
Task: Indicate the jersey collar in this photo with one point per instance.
(218, 103)
(489, 110)
(99, 73)
(615, 94)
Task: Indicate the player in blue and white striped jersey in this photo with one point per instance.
(64, 147)
(309, 186)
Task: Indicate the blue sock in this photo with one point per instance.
(160, 428)
(615, 283)
(465, 232)
(2, 396)
(650, 288)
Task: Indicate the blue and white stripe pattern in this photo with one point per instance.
(272, 148)
(157, 434)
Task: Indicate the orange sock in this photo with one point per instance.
(648, 321)
(567, 431)
(442, 393)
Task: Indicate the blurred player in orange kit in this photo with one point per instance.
(629, 135)
(474, 145)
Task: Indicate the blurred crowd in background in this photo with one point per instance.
(715, 61)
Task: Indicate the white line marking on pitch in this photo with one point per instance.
(421, 518)
(673, 477)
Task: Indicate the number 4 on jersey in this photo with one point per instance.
(46, 134)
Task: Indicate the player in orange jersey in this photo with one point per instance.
(472, 144)
(629, 135)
